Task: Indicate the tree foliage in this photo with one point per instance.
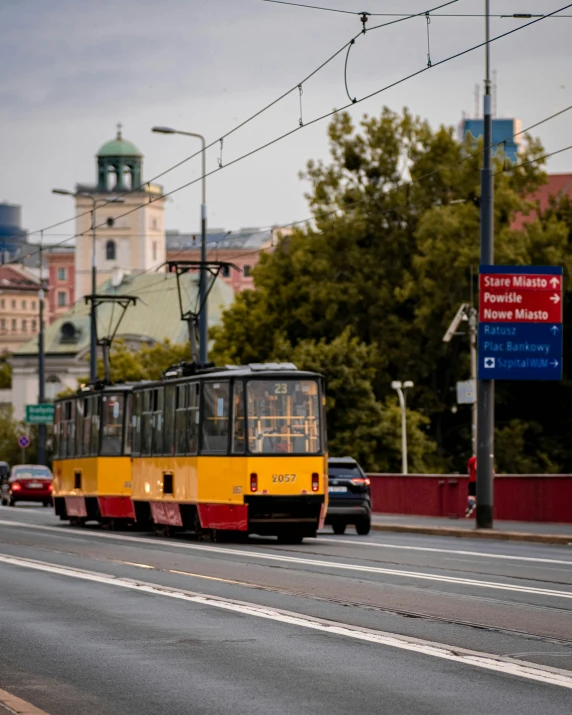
(5, 373)
(393, 252)
(148, 363)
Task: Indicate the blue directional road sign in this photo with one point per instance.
(520, 351)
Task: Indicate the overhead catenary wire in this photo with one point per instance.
(249, 119)
(327, 115)
(151, 288)
(415, 180)
(516, 15)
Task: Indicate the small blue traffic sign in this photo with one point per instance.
(24, 441)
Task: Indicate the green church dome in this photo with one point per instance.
(119, 147)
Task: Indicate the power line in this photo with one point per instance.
(532, 161)
(322, 117)
(243, 123)
(516, 15)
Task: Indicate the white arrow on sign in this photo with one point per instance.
(555, 329)
(555, 282)
(554, 363)
(555, 298)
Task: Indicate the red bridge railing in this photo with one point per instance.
(518, 497)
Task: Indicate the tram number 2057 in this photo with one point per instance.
(279, 478)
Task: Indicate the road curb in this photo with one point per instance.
(563, 539)
(11, 704)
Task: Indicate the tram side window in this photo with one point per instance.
(112, 419)
(79, 426)
(68, 415)
(57, 413)
(146, 426)
(63, 432)
(157, 420)
(193, 418)
(95, 424)
(136, 422)
(169, 432)
(181, 420)
(238, 431)
(127, 423)
(87, 405)
(215, 417)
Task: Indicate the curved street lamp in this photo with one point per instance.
(401, 388)
(203, 316)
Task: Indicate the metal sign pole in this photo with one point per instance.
(486, 388)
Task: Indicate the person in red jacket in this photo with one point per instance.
(472, 496)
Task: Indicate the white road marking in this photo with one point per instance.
(303, 561)
(334, 540)
(500, 664)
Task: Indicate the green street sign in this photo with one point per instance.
(40, 414)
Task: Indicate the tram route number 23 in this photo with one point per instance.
(278, 478)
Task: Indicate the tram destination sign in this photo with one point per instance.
(520, 323)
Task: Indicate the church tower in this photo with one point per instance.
(130, 234)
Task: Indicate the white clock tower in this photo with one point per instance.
(129, 236)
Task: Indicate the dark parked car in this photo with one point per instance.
(349, 496)
(4, 471)
(27, 482)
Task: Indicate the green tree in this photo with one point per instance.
(392, 260)
(9, 433)
(148, 363)
(5, 373)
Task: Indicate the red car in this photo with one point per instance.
(27, 482)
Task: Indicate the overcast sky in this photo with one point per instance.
(72, 69)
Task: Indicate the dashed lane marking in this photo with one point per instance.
(486, 661)
(429, 549)
(336, 565)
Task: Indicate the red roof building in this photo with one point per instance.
(556, 186)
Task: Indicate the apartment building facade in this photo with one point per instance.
(19, 307)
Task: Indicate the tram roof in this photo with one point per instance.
(257, 370)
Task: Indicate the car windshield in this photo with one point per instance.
(32, 473)
(339, 471)
(283, 416)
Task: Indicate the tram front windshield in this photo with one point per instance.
(283, 416)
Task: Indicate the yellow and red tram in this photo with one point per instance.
(235, 449)
(92, 463)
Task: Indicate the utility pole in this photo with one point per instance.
(486, 388)
(41, 357)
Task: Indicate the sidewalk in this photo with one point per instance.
(542, 533)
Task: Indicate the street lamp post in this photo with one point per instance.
(41, 357)
(203, 315)
(93, 316)
(400, 388)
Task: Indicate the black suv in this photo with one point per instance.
(349, 496)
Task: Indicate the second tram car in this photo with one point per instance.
(92, 464)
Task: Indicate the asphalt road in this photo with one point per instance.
(96, 622)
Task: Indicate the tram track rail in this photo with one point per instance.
(350, 603)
